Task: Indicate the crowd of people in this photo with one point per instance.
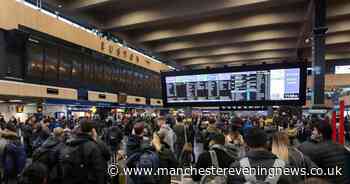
(76, 151)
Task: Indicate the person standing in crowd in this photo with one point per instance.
(81, 160)
(48, 154)
(137, 140)
(289, 154)
(14, 156)
(210, 132)
(113, 136)
(234, 136)
(325, 153)
(304, 131)
(166, 156)
(170, 137)
(222, 156)
(179, 130)
(258, 156)
(40, 133)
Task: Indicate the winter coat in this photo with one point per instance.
(327, 155)
(96, 164)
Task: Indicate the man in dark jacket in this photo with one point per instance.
(52, 146)
(258, 157)
(224, 158)
(92, 156)
(136, 141)
(325, 153)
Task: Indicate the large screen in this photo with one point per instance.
(259, 85)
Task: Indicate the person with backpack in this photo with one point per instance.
(40, 133)
(137, 140)
(81, 160)
(48, 154)
(14, 157)
(258, 156)
(218, 156)
(210, 132)
(141, 155)
(35, 173)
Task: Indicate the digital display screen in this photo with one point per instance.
(235, 87)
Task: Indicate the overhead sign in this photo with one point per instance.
(344, 69)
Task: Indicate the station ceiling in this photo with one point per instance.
(214, 33)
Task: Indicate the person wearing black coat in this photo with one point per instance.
(95, 161)
(325, 153)
(166, 156)
(258, 156)
(136, 141)
(224, 158)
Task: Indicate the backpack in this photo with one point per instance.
(38, 142)
(208, 179)
(144, 159)
(14, 159)
(270, 179)
(72, 166)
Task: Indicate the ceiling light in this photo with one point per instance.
(59, 6)
(1, 101)
(307, 40)
(15, 101)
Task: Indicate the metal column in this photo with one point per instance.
(318, 51)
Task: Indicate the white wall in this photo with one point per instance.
(9, 110)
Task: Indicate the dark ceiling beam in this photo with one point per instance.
(281, 44)
(190, 10)
(222, 24)
(240, 63)
(238, 57)
(254, 20)
(276, 33)
(333, 41)
(228, 38)
(80, 5)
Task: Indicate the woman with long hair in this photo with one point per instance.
(291, 155)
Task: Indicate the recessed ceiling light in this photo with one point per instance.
(15, 101)
(59, 6)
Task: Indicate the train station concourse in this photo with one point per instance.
(174, 92)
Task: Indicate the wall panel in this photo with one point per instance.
(13, 13)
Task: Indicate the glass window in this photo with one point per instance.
(35, 60)
(99, 71)
(108, 73)
(89, 71)
(51, 62)
(77, 73)
(65, 68)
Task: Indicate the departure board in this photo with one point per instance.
(281, 84)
